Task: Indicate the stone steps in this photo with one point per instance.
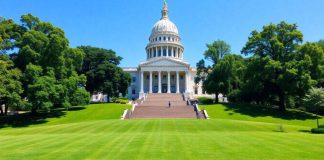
(157, 106)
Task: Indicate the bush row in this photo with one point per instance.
(120, 100)
(318, 130)
(205, 100)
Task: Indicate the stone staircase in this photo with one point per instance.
(157, 106)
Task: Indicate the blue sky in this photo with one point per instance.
(125, 25)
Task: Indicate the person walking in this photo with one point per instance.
(169, 104)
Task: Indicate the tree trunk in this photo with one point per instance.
(33, 111)
(282, 106)
(6, 109)
(317, 119)
(216, 97)
(1, 110)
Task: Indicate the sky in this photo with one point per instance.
(125, 25)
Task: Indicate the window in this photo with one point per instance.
(164, 52)
(172, 77)
(134, 79)
(155, 76)
(169, 38)
(164, 38)
(147, 76)
(155, 39)
(170, 52)
(164, 76)
(133, 91)
(181, 77)
(160, 38)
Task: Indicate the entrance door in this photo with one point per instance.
(164, 88)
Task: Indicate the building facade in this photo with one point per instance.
(164, 70)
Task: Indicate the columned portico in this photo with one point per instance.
(160, 80)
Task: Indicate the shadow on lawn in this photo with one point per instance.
(27, 119)
(260, 111)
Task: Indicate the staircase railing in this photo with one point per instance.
(127, 114)
(201, 114)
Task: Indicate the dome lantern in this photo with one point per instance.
(165, 11)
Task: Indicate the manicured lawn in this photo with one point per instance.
(260, 114)
(101, 135)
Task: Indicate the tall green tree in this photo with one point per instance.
(277, 48)
(216, 51)
(10, 86)
(49, 65)
(102, 71)
(10, 32)
(314, 100)
(223, 75)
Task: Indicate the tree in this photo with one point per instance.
(10, 86)
(102, 72)
(225, 76)
(40, 88)
(321, 43)
(216, 51)
(315, 100)
(315, 53)
(49, 66)
(10, 32)
(276, 46)
(221, 76)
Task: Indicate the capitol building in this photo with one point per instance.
(165, 69)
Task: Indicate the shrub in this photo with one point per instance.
(80, 97)
(318, 130)
(66, 105)
(205, 100)
(120, 100)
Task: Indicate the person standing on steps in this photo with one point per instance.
(169, 104)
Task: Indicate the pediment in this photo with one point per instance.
(164, 62)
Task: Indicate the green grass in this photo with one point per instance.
(95, 132)
(260, 114)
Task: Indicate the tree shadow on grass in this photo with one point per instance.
(77, 108)
(27, 119)
(261, 111)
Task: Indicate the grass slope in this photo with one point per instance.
(78, 135)
(260, 114)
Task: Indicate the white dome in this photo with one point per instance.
(164, 26)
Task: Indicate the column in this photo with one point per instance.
(142, 82)
(187, 81)
(159, 82)
(155, 54)
(161, 48)
(178, 84)
(169, 90)
(173, 54)
(151, 82)
(167, 51)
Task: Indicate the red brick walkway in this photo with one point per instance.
(157, 106)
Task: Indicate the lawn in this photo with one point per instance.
(96, 132)
(260, 114)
